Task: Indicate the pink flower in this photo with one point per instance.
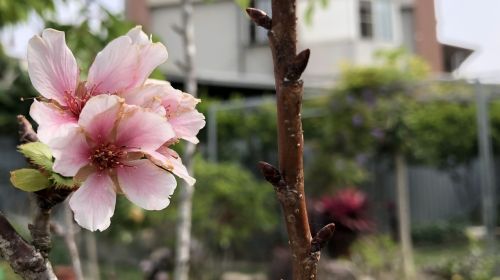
(122, 66)
(179, 107)
(112, 149)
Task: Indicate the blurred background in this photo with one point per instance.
(401, 122)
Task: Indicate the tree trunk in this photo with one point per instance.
(183, 244)
(289, 179)
(404, 216)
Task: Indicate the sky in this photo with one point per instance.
(15, 38)
(471, 24)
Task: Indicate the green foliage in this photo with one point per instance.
(244, 135)
(377, 256)
(230, 204)
(37, 153)
(242, 3)
(6, 272)
(230, 208)
(471, 267)
(442, 133)
(439, 233)
(40, 156)
(17, 11)
(364, 118)
(29, 180)
(15, 86)
(59, 181)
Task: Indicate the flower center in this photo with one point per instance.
(75, 102)
(106, 156)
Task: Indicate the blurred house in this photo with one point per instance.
(232, 52)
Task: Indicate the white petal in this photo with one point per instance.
(146, 185)
(94, 202)
(51, 65)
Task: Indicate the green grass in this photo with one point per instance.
(433, 254)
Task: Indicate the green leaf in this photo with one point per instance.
(29, 180)
(62, 182)
(38, 153)
(243, 3)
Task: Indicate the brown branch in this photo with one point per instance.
(26, 132)
(289, 179)
(24, 259)
(30, 261)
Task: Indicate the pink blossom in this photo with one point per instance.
(122, 66)
(113, 149)
(179, 107)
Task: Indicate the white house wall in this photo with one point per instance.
(325, 22)
(225, 55)
(216, 36)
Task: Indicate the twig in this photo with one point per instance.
(24, 259)
(30, 261)
(289, 179)
(26, 132)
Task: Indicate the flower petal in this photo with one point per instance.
(125, 63)
(71, 152)
(52, 121)
(142, 130)
(94, 202)
(138, 36)
(147, 96)
(51, 65)
(99, 116)
(114, 68)
(170, 160)
(187, 125)
(146, 185)
(151, 54)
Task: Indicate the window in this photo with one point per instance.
(375, 18)
(382, 18)
(258, 35)
(366, 19)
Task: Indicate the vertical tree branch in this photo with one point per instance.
(289, 180)
(402, 192)
(182, 252)
(69, 239)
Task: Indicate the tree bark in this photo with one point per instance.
(24, 259)
(289, 179)
(30, 261)
(404, 217)
(183, 244)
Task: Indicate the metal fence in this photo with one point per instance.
(435, 195)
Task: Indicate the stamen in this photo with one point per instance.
(107, 156)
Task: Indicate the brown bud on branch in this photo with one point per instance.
(298, 66)
(260, 18)
(272, 175)
(322, 237)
